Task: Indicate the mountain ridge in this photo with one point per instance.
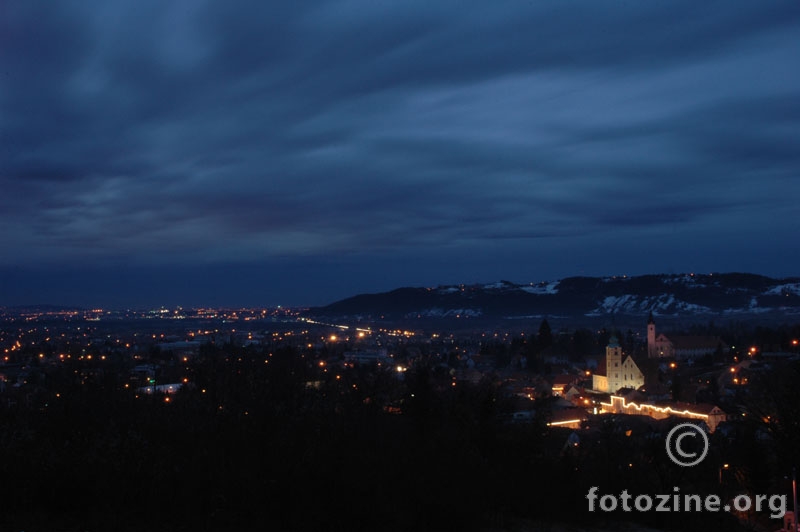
(718, 294)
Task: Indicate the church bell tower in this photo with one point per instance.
(652, 352)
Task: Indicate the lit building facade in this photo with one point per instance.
(710, 414)
(619, 371)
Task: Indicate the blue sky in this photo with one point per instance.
(263, 153)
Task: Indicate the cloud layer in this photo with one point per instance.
(559, 137)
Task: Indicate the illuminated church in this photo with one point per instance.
(681, 347)
(617, 370)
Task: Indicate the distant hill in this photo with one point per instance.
(683, 295)
(17, 309)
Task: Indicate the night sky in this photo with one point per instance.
(245, 154)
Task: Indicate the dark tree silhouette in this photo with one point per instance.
(545, 335)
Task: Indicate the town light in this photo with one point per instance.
(724, 466)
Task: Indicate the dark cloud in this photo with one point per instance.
(467, 139)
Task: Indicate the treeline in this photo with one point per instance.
(536, 346)
(765, 338)
(577, 344)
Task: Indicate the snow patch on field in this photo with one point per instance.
(542, 288)
(783, 289)
(633, 304)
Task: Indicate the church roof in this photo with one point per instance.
(695, 342)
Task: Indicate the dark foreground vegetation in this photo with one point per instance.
(275, 441)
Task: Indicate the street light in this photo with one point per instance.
(794, 502)
(724, 466)
(794, 496)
